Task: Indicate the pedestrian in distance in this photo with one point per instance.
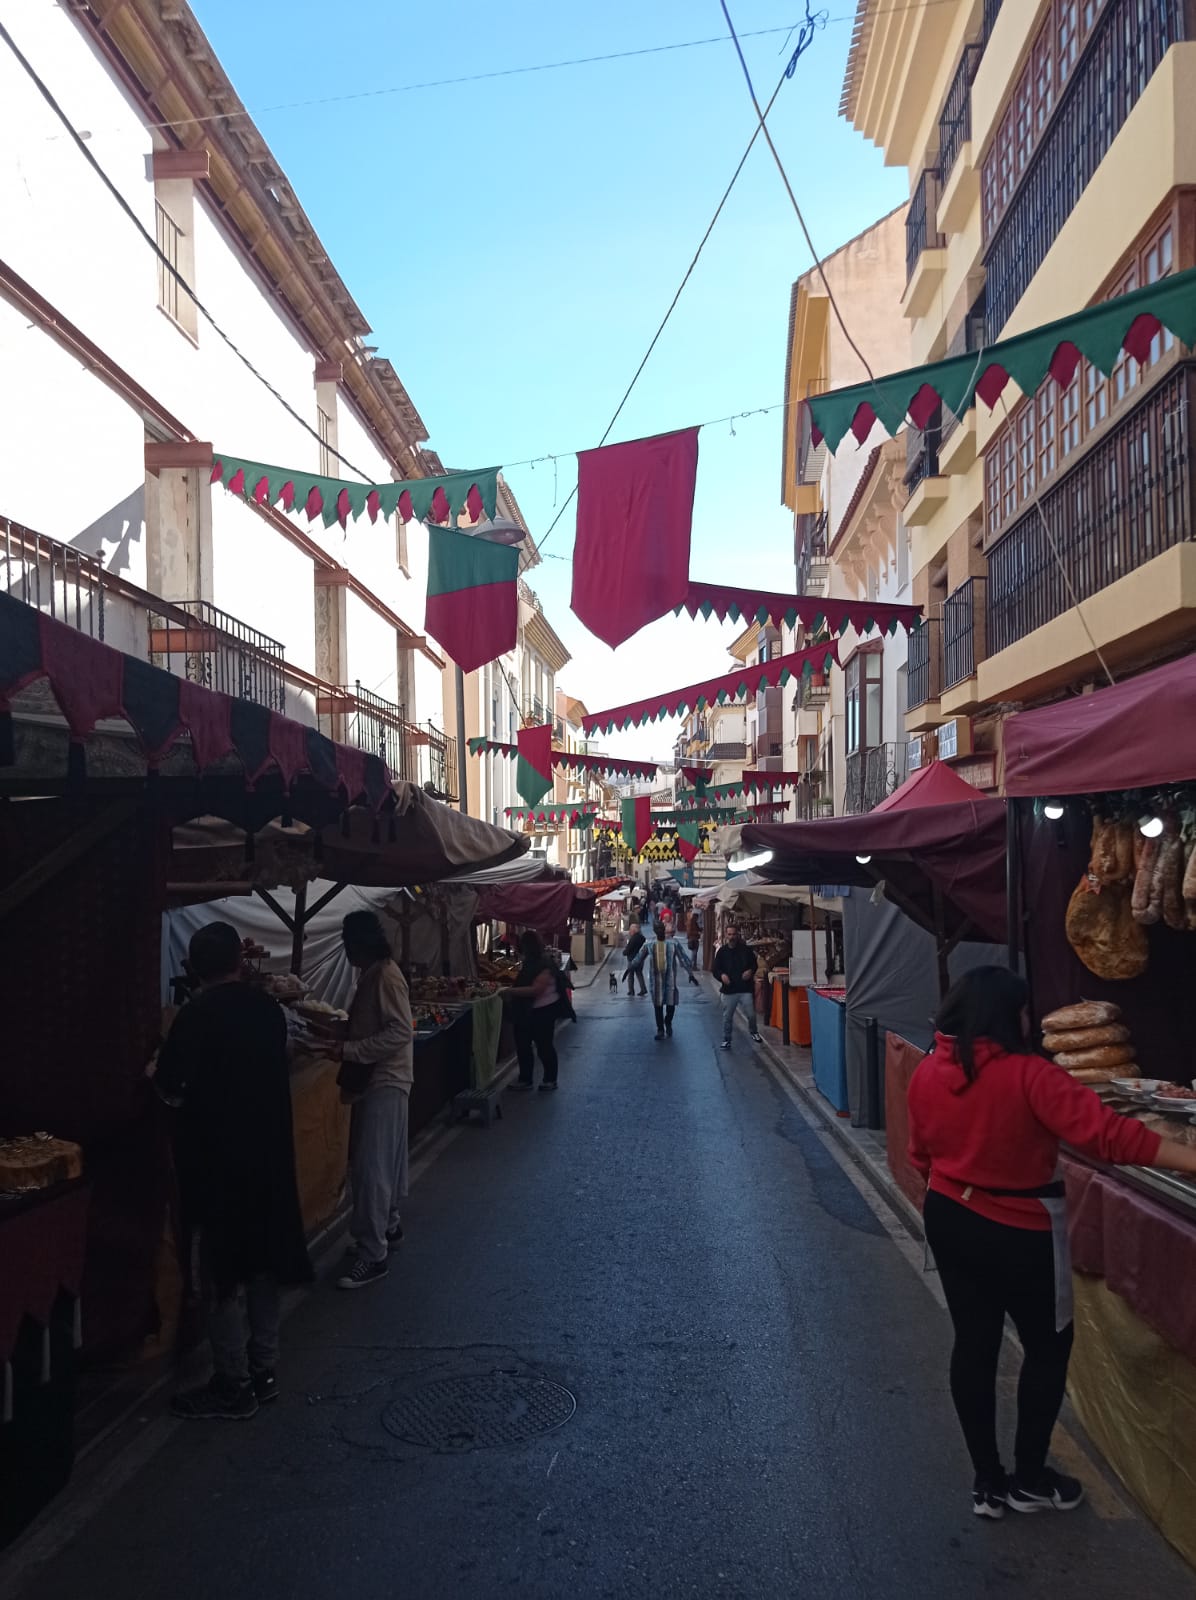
(536, 1004)
(634, 952)
(377, 1070)
(662, 959)
(986, 1118)
(693, 937)
(224, 1068)
(734, 969)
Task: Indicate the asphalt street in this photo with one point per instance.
(759, 1376)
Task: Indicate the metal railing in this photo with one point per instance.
(168, 234)
(809, 548)
(922, 447)
(955, 123)
(924, 663)
(992, 10)
(55, 578)
(963, 631)
(921, 220)
(198, 641)
(872, 776)
(768, 746)
(1126, 48)
(373, 723)
(442, 764)
(1125, 502)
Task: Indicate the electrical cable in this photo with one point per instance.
(47, 95)
(718, 211)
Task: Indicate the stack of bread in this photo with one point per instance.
(35, 1161)
(1090, 1041)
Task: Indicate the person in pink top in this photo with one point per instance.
(986, 1118)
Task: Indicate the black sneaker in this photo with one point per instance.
(989, 1498)
(1049, 1491)
(660, 1033)
(362, 1273)
(265, 1386)
(394, 1237)
(668, 1030)
(216, 1401)
(548, 1088)
(757, 1038)
(725, 1044)
(521, 1086)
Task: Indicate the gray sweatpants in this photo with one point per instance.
(377, 1168)
(243, 1329)
(737, 1002)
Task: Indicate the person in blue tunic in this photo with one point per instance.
(660, 961)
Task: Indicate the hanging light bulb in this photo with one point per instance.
(1150, 827)
(1053, 809)
(863, 860)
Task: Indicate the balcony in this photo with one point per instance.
(960, 180)
(872, 776)
(963, 645)
(196, 640)
(1126, 48)
(769, 747)
(810, 557)
(925, 246)
(927, 487)
(1115, 535)
(924, 675)
(365, 720)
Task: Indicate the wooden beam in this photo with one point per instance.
(66, 854)
(284, 917)
(297, 929)
(194, 164)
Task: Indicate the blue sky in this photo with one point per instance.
(515, 241)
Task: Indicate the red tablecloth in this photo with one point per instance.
(1145, 1252)
(42, 1243)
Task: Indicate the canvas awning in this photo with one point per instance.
(1137, 734)
(547, 907)
(942, 864)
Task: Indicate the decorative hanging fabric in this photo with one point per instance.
(472, 608)
(571, 761)
(1098, 334)
(786, 610)
(815, 660)
(637, 822)
(533, 773)
(439, 499)
(635, 506)
(579, 812)
(698, 776)
(752, 781)
(711, 796)
(689, 841)
(91, 682)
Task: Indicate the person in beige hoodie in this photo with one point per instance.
(375, 1078)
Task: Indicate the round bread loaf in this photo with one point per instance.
(1104, 1055)
(1087, 1014)
(1096, 1075)
(1086, 1038)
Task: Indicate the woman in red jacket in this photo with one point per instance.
(986, 1120)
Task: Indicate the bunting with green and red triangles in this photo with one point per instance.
(533, 771)
(438, 499)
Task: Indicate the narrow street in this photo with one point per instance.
(760, 1378)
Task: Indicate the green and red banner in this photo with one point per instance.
(581, 812)
(689, 841)
(439, 499)
(571, 761)
(1098, 334)
(533, 773)
(472, 609)
(746, 680)
(786, 610)
(637, 822)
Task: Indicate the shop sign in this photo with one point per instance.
(979, 770)
(955, 738)
(914, 760)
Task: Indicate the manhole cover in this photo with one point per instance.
(478, 1412)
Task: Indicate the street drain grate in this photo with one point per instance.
(479, 1411)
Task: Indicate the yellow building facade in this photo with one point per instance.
(1051, 150)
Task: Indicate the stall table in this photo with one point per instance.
(828, 1044)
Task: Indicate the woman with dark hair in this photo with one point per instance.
(537, 1004)
(986, 1117)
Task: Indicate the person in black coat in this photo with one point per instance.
(634, 952)
(224, 1066)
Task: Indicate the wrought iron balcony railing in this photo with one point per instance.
(955, 123)
(921, 220)
(963, 631)
(924, 663)
(872, 776)
(199, 641)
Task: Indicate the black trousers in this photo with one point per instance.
(533, 1031)
(664, 1017)
(631, 975)
(989, 1271)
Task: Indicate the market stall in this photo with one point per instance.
(923, 879)
(1102, 839)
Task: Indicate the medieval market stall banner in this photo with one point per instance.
(1098, 334)
(571, 761)
(472, 606)
(730, 686)
(637, 826)
(533, 771)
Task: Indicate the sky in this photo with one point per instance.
(514, 242)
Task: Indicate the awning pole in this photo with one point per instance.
(1013, 882)
(940, 941)
(813, 941)
(297, 930)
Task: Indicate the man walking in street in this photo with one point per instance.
(224, 1066)
(734, 968)
(375, 1079)
(634, 950)
(693, 934)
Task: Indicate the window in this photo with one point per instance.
(169, 235)
(1049, 426)
(174, 232)
(401, 557)
(863, 700)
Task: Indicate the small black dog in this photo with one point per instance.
(614, 984)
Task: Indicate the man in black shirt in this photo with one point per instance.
(734, 968)
(634, 951)
(224, 1066)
